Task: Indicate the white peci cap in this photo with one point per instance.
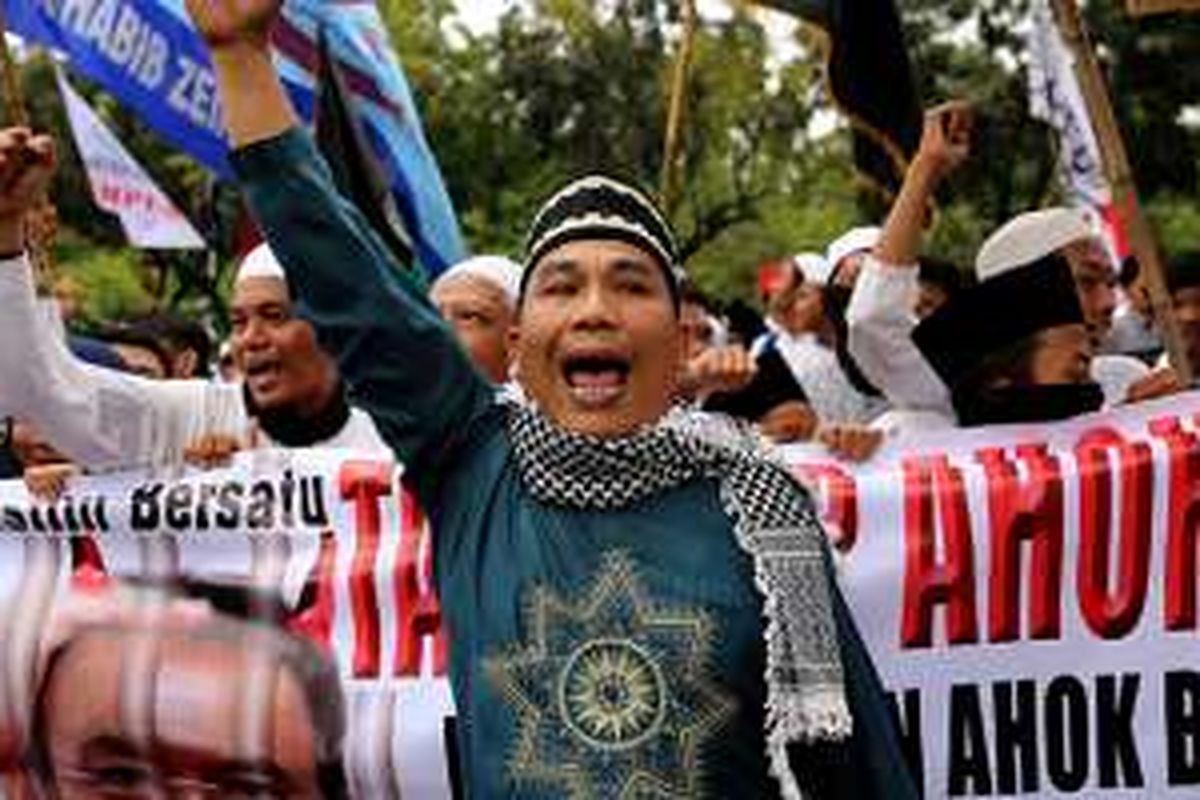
(1033, 236)
(855, 240)
(504, 273)
(260, 263)
(813, 267)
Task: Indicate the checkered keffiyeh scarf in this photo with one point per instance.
(773, 518)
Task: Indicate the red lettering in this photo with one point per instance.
(419, 615)
(363, 483)
(315, 619)
(1183, 523)
(837, 488)
(87, 564)
(1021, 511)
(1112, 614)
(933, 485)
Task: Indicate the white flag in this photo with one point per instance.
(1055, 97)
(120, 185)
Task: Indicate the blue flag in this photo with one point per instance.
(147, 55)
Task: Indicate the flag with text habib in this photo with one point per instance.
(147, 54)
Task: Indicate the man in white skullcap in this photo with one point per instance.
(478, 297)
(805, 338)
(845, 255)
(881, 318)
(1073, 232)
(291, 394)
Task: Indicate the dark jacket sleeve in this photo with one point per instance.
(400, 359)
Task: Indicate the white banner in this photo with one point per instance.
(1029, 595)
(336, 537)
(120, 185)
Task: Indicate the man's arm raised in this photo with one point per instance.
(402, 362)
(881, 315)
(98, 417)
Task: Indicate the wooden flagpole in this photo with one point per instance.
(1139, 8)
(1121, 181)
(677, 109)
(39, 230)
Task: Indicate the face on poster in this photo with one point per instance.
(264, 631)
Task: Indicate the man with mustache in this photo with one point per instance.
(634, 608)
(99, 418)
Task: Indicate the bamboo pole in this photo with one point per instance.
(1121, 180)
(677, 109)
(14, 99)
(39, 226)
(1139, 8)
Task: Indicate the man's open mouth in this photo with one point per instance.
(262, 373)
(596, 381)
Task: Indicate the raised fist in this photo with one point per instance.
(223, 23)
(27, 165)
(718, 369)
(946, 139)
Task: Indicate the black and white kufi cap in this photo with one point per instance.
(600, 208)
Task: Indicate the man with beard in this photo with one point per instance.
(600, 566)
(100, 418)
(881, 314)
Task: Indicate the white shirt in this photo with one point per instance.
(881, 320)
(817, 370)
(104, 419)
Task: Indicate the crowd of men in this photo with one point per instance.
(565, 420)
(871, 337)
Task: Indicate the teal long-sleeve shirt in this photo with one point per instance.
(593, 654)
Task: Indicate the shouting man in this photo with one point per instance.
(634, 608)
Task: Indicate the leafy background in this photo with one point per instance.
(564, 87)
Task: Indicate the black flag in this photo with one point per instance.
(870, 78)
(356, 171)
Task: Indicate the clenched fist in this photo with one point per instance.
(225, 23)
(27, 163)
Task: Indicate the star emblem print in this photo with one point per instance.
(610, 691)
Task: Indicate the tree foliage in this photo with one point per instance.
(562, 88)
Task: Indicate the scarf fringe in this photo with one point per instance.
(793, 719)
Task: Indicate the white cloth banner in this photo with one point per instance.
(1055, 97)
(1029, 595)
(336, 537)
(120, 185)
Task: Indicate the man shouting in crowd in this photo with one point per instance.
(102, 418)
(634, 608)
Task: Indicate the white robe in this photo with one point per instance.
(103, 419)
(881, 320)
